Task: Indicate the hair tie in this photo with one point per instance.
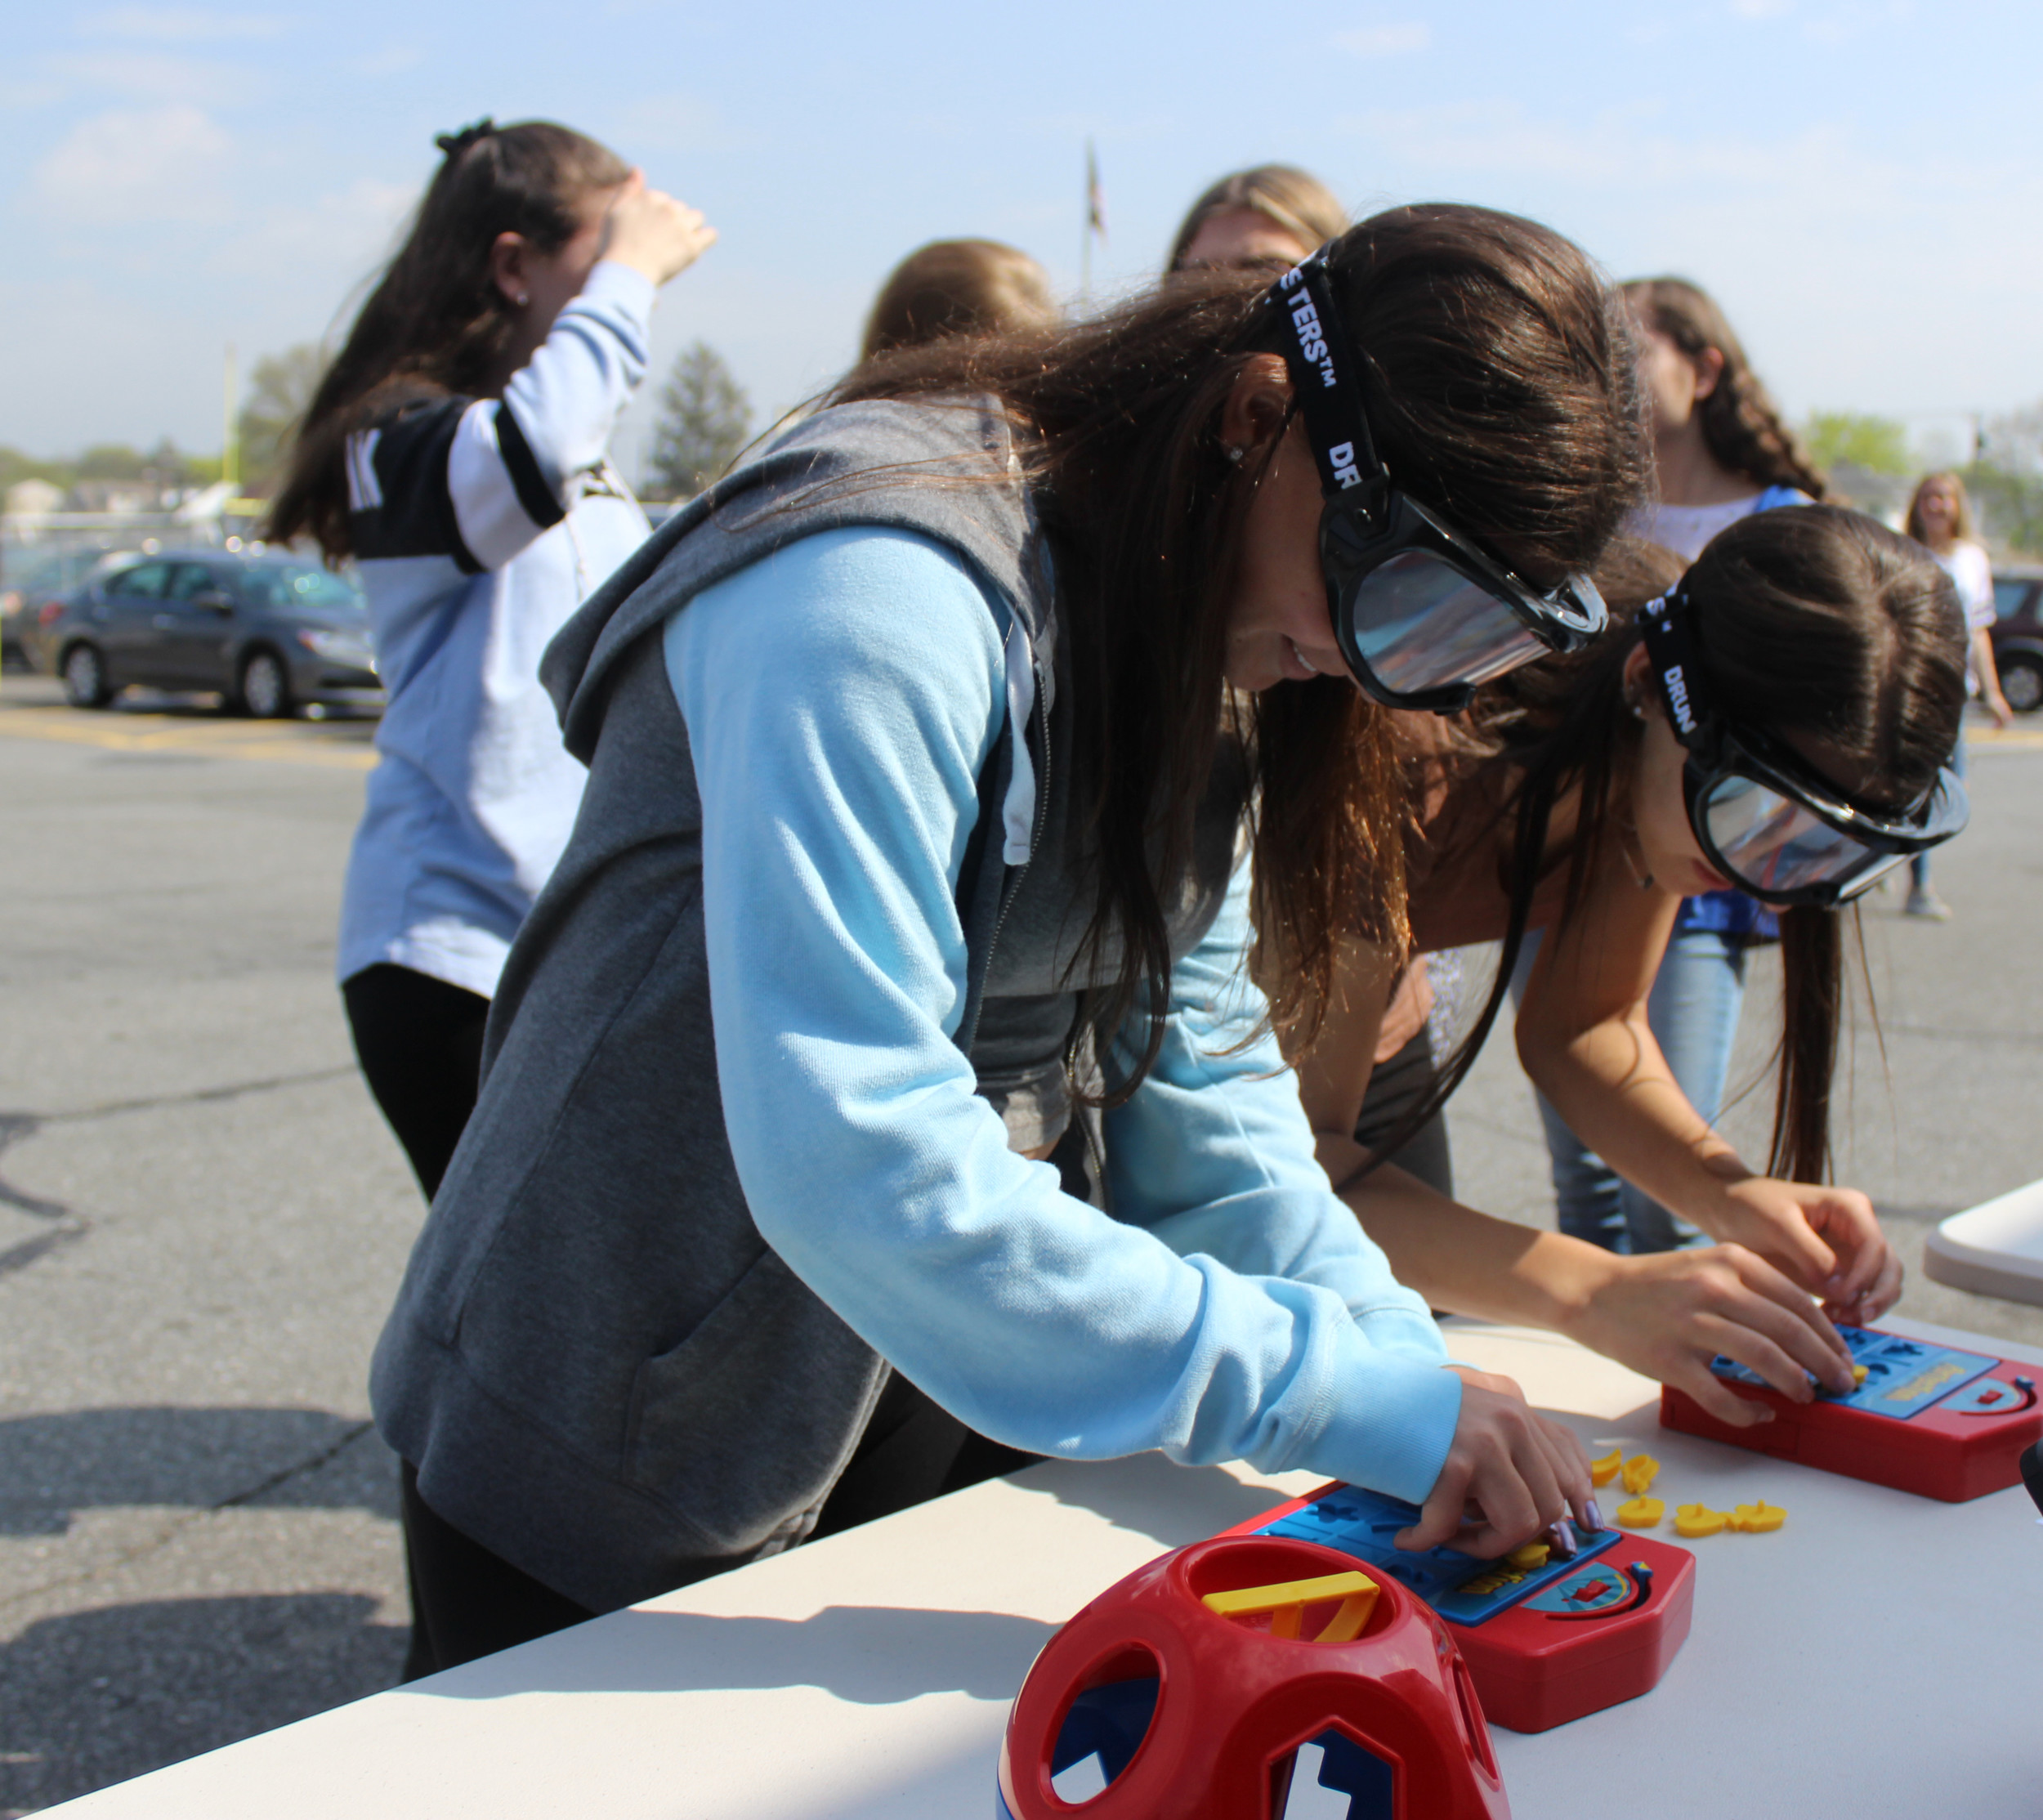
(454, 144)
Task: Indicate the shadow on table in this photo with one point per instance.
(93, 1697)
(54, 1466)
(1134, 1495)
(873, 1655)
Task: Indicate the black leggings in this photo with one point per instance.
(467, 1601)
(420, 1041)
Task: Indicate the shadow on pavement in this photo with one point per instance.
(53, 1466)
(94, 1697)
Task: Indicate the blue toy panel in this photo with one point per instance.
(1903, 1377)
(1365, 1524)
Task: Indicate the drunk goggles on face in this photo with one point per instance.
(1421, 616)
(1764, 820)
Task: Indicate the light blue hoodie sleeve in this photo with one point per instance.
(841, 697)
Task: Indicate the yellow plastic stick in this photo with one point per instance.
(1287, 1602)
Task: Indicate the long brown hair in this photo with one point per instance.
(1295, 200)
(1814, 620)
(1499, 376)
(437, 323)
(958, 287)
(1741, 424)
(1962, 526)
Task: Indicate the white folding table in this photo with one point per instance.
(1880, 1656)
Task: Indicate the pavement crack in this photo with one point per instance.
(199, 1096)
(311, 1463)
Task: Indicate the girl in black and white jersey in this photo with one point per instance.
(457, 450)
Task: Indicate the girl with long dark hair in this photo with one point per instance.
(1721, 451)
(457, 450)
(878, 1065)
(1781, 718)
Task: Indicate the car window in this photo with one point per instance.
(145, 579)
(299, 587)
(192, 579)
(2008, 596)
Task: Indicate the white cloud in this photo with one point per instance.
(1385, 41)
(167, 76)
(1761, 9)
(182, 25)
(132, 168)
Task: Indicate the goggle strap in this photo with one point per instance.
(1671, 651)
(1317, 352)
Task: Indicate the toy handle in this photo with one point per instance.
(1642, 1578)
(2032, 1472)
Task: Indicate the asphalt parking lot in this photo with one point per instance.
(201, 1217)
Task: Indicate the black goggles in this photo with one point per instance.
(1421, 616)
(1763, 819)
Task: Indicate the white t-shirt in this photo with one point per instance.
(1967, 566)
(1685, 529)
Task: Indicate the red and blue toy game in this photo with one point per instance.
(1925, 1418)
(1547, 1639)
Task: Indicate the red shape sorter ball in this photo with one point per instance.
(1229, 1695)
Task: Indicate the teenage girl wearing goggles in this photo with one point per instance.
(927, 753)
(1780, 719)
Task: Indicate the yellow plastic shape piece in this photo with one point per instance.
(1639, 1474)
(1601, 1472)
(1529, 1556)
(1698, 1519)
(1286, 1601)
(1640, 1513)
(1858, 1374)
(1757, 1519)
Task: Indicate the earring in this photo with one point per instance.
(1233, 452)
(523, 299)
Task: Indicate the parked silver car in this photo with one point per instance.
(266, 632)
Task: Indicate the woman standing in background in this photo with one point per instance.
(957, 288)
(1722, 452)
(1940, 518)
(457, 450)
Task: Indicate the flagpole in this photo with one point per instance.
(1085, 224)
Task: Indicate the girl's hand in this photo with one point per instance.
(1827, 1240)
(1669, 1313)
(1510, 1475)
(650, 232)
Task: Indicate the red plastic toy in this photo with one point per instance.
(1926, 1418)
(1198, 1678)
(1544, 1647)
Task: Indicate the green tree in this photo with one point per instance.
(705, 419)
(1877, 443)
(281, 386)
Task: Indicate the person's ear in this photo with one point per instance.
(1708, 365)
(508, 268)
(1641, 697)
(1258, 403)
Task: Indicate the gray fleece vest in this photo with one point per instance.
(600, 1370)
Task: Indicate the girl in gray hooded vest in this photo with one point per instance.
(880, 1061)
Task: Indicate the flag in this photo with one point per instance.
(1095, 201)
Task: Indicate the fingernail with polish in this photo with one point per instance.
(1591, 1515)
(1564, 1542)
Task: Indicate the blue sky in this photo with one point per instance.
(1857, 180)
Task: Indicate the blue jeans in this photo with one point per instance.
(1693, 1013)
(1919, 864)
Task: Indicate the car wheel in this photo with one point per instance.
(2021, 683)
(265, 687)
(85, 683)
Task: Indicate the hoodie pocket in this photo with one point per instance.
(749, 1420)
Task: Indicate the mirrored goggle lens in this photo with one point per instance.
(1769, 843)
(1419, 624)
